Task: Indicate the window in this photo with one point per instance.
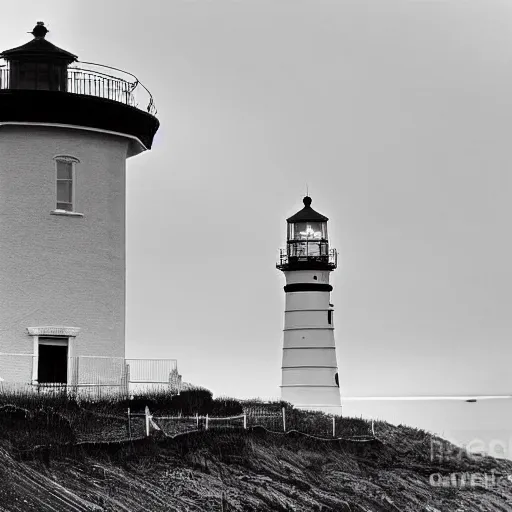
(329, 316)
(312, 230)
(65, 196)
(46, 76)
(65, 185)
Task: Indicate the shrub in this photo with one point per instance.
(193, 401)
(225, 406)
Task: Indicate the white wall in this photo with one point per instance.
(59, 270)
(309, 362)
(311, 396)
(309, 300)
(309, 338)
(307, 276)
(314, 357)
(310, 376)
(307, 319)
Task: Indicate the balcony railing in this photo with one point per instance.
(287, 261)
(91, 79)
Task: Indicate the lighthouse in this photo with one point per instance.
(67, 129)
(309, 367)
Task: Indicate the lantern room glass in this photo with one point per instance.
(307, 231)
(307, 239)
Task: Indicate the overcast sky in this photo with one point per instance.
(398, 116)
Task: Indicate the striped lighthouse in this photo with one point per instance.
(309, 366)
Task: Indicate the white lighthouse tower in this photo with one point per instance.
(66, 131)
(309, 369)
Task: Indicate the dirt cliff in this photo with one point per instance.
(232, 470)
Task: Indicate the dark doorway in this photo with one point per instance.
(53, 364)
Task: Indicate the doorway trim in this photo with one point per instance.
(66, 334)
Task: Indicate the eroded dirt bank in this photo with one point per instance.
(251, 471)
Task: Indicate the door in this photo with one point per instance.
(53, 362)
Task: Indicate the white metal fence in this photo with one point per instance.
(153, 375)
(93, 376)
(97, 376)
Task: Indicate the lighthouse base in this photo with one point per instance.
(322, 398)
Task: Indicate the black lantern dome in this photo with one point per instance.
(307, 213)
(39, 47)
(38, 64)
(307, 244)
(39, 85)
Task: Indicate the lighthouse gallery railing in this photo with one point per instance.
(330, 259)
(100, 81)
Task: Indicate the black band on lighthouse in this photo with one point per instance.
(308, 287)
(58, 107)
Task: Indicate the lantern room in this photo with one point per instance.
(39, 64)
(307, 241)
(42, 83)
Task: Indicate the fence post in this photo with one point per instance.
(206, 426)
(129, 425)
(245, 421)
(284, 420)
(373, 429)
(147, 420)
(334, 426)
(197, 420)
(179, 384)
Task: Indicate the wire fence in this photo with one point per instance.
(284, 420)
(174, 425)
(34, 422)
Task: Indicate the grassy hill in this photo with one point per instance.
(227, 469)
